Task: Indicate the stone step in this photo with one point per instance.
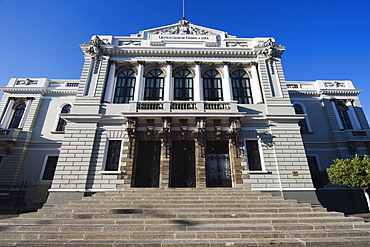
(106, 220)
(184, 235)
(180, 205)
(182, 225)
(359, 242)
(183, 217)
(135, 209)
(190, 215)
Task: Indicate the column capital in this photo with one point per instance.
(141, 62)
(111, 62)
(253, 64)
(226, 63)
(198, 63)
(169, 62)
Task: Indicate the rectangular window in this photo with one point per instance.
(253, 155)
(113, 156)
(50, 166)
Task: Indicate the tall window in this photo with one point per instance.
(62, 123)
(253, 155)
(241, 87)
(343, 114)
(154, 82)
(212, 86)
(302, 123)
(183, 85)
(50, 166)
(17, 116)
(113, 156)
(125, 86)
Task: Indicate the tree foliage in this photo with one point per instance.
(351, 172)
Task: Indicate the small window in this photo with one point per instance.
(183, 85)
(17, 116)
(125, 87)
(154, 83)
(242, 91)
(342, 110)
(62, 123)
(302, 123)
(253, 155)
(50, 166)
(113, 156)
(212, 86)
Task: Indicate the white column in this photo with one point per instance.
(198, 88)
(337, 115)
(167, 82)
(111, 84)
(138, 95)
(352, 116)
(255, 85)
(25, 113)
(8, 114)
(226, 87)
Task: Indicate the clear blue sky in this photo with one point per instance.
(325, 39)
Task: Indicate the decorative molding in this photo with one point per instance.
(183, 27)
(95, 48)
(183, 52)
(26, 82)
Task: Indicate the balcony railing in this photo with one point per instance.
(180, 106)
(9, 134)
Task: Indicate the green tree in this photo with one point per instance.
(352, 173)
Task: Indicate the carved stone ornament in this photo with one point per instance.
(95, 49)
(26, 82)
(184, 27)
(271, 48)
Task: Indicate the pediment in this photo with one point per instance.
(182, 27)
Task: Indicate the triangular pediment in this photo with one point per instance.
(183, 27)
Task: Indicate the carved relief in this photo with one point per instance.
(184, 27)
(95, 49)
(26, 82)
(237, 44)
(271, 49)
(129, 42)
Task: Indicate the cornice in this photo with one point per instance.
(41, 91)
(187, 52)
(351, 92)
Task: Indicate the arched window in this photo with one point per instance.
(212, 87)
(125, 86)
(242, 91)
(342, 110)
(154, 82)
(302, 123)
(183, 85)
(62, 123)
(17, 116)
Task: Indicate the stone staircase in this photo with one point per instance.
(183, 217)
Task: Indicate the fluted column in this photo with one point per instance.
(198, 87)
(111, 83)
(226, 84)
(167, 82)
(255, 85)
(7, 116)
(340, 125)
(139, 87)
(353, 117)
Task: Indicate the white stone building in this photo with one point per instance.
(178, 106)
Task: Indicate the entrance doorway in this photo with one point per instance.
(182, 168)
(218, 164)
(146, 168)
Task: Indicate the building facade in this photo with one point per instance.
(178, 106)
